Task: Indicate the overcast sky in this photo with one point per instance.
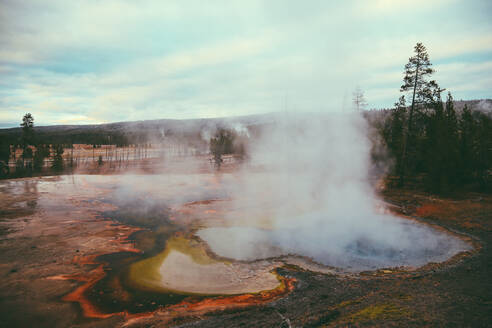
(78, 62)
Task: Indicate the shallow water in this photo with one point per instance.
(142, 201)
(404, 243)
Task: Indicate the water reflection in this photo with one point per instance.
(31, 192)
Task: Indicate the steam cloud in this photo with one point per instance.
(307, 192)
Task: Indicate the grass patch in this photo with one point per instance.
(349, 302)
(383, 311)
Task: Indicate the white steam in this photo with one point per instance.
(485, 106)
(307, 192)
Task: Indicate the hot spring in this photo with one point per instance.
(400, 243)
(308, 190)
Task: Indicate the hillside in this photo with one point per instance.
(124, 133)
(134, 131)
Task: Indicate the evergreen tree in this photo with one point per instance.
(467, 145)
(27, 129)
(483, 157)
(27, 137)
(42, 151)
(434, 152)
(450, 143)
(220, 144)
(57, 158)
(395, 133)
(424, 93)
(4, 157)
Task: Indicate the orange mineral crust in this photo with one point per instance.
(183, 308)
(120, 235)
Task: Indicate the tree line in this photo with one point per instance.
(33, 153)
(37, 148)
(429, 139)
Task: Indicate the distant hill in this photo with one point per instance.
(124, 133)
(135, 131)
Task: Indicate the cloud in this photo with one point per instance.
(378, 7)
(122, 60)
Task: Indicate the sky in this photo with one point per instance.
(88, 62)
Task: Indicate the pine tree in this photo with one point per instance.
(451, 146)
(395, 133)
(27, 137)
(434, 152)
(424, 93)
(483, 158)
(467, 145)
(4, 157)
(27, 129)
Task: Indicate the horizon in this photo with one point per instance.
(117, 61)
(486, 108)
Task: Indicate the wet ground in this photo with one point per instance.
(54, 240)
(89, 231)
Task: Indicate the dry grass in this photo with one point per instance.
(384, 311)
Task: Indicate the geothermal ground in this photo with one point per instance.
(162, 250)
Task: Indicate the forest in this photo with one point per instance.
(430, 140)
